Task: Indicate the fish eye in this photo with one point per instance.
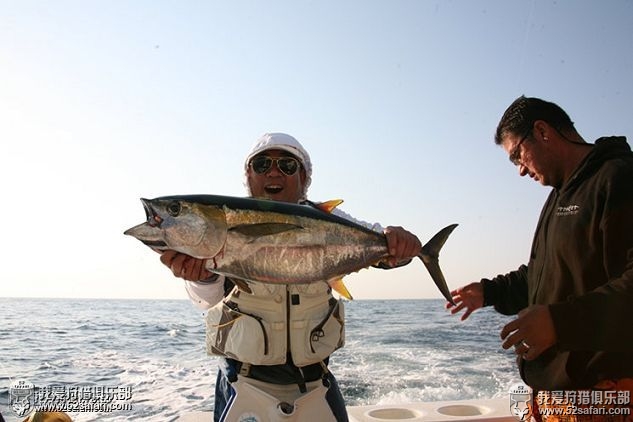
(174, 208)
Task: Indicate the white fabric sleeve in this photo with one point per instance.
(205, 294)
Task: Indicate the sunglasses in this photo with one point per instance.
(515, 154)
(263, 163)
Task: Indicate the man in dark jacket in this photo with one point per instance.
(574, 299)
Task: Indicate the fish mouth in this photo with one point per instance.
(153, 219)
(155, 244)
(149, 231)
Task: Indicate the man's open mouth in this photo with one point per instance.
(273, 189)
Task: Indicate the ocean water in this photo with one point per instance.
(396, 351)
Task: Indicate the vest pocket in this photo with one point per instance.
(316, 339)
(235, 334)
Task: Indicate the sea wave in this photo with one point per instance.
(395, 352)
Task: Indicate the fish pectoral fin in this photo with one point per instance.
(328, 206)
(338, 285)
(263, 229)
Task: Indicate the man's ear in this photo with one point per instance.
(542, 130)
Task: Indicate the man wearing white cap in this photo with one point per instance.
(291, 380)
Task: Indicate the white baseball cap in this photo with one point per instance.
(284, 142)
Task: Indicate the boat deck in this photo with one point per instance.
(490, 410)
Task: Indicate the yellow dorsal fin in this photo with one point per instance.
(328, 206)
(338, 285)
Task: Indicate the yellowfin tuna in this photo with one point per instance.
(272, 242)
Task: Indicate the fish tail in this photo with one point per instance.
(430, 256)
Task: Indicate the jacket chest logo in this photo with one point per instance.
(567, 210)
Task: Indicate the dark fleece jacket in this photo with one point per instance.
(581, 265)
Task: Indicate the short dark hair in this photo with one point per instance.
(519, 118)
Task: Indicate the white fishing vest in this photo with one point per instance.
(276, 319)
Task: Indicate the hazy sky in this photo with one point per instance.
(104, 102)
